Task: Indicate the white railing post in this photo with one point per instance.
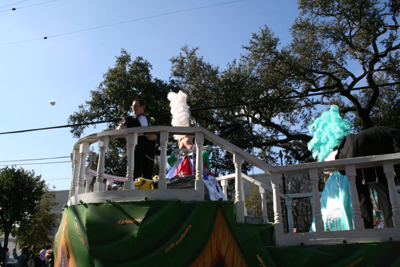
(358, 221)
(388, 169)
(242, 195)
(319, 224)
(162, 182)
(289, 204)
(199, 184)
(264, 208)
(224, 185)
(88, 179)
(83, 151)
(275, 181)
(103, 145)
(239, 203)
(75, 172)
(131, 142)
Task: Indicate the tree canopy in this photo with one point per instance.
(264, 101)
(111, 101)
(337, 47)
(20, 195)
(36, 230)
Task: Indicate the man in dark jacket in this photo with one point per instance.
(369, 142)
(145, 148)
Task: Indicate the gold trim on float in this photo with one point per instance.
(221, 245)
(79, 232)
(180, 239)
(122, 222)
(64, 247)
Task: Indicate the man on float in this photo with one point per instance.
(145, 148)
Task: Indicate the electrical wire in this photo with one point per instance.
(39, 163)
(61, 126)
(200, 109)
(13, 4)
(290, 97)
(63, 157)
(17, 8)
(124, 22)
(55, 162)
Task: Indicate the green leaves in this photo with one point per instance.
(20, 194)
(34, 229)
(337, 45)
(126, 81)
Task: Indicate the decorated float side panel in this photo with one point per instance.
(172, 233)
(163, 233)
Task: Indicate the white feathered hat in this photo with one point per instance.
(179, 110)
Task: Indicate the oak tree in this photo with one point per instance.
(20, 194)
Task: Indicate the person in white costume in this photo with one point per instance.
(185, 164)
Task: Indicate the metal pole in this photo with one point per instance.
(284, 190)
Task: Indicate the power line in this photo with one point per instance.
(13, 9)
(124, 22)
(63, 157)
(200, 109)
(13, 4)
(40, 163)
(59, 127)
(289, 97)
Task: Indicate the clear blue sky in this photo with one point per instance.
(79, 50)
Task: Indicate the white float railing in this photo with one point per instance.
(78, 193)
(359, 234)
(262, 189)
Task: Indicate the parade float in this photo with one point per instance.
(163, 224)
(178, 227)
